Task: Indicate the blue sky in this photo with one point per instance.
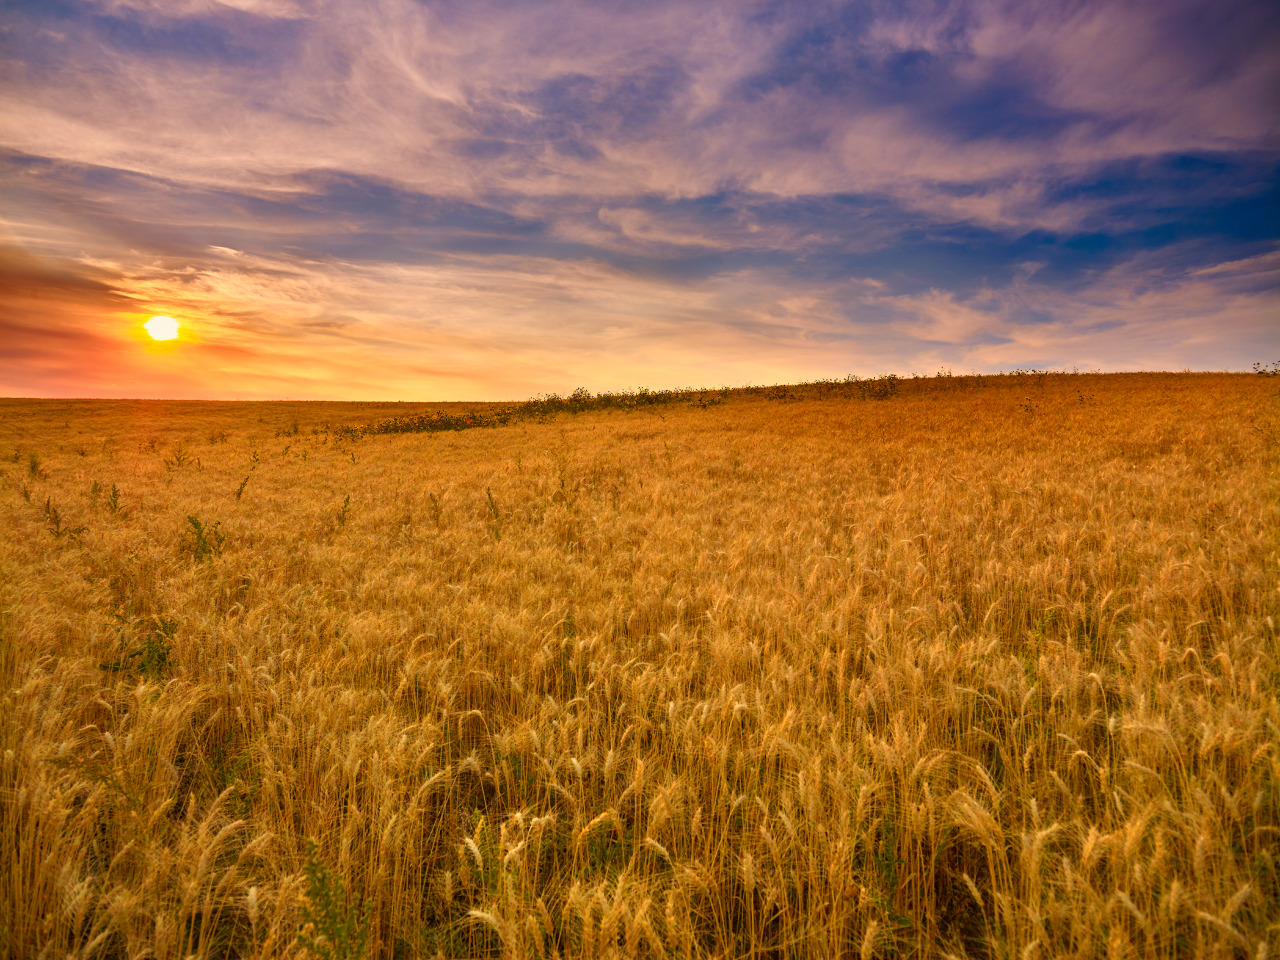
(410, 200)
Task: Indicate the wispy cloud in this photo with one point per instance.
(498, 199)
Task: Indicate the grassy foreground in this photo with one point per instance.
(980, 668)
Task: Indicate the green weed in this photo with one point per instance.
(205, 542)
(178, 459)
(497, 517)
(54, 521)
(878, 388)
(332, 927)
(153, 654)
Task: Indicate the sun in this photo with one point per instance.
(162, 328)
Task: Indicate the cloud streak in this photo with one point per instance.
(491, 200)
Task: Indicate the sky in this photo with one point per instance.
(410, 200)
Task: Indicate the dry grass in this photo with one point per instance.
(974, 671)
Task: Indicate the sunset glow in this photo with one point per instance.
(482, 200)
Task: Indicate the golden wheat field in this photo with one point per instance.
(985, 668)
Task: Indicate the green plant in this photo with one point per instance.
(54, 520)
(232, 769)
(179, 457)
(240, 489)
(877, 388)
(1031, 372)
(497, 517)
(113, 501)
(333, 928)
(205, 542)
(346, 507)
(783, 394)
(152, 655)
(34, 467)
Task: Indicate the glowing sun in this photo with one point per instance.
(162, 328)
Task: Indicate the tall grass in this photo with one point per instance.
(986, 668)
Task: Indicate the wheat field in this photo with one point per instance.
(984, 668)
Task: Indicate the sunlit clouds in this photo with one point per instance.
(437, 200)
